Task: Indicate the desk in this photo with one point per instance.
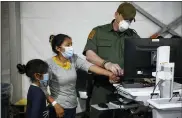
(114, 107)
(110, 107)
(142, 94)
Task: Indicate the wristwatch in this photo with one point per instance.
(105, 61)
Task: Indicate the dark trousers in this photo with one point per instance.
(68, 113)
(101, 95)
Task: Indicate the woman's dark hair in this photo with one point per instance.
(57, 41)
(32, 67)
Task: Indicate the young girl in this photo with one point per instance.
(37, 71)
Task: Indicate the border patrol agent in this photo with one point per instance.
(105, 48)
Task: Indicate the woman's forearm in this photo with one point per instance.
(100, 71)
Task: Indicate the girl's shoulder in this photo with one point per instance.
(35, 91)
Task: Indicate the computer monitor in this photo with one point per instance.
(140, 56)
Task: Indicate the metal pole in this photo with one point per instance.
(153, 19)
(15, 49)
(173, 25)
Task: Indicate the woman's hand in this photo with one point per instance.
(113, 78)
(59, 110)
(100, 71)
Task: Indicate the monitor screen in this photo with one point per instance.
(140, 56)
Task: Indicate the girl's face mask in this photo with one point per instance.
(45, 79)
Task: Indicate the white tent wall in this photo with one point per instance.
(41, 19)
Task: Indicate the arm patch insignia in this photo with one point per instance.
(92, 34)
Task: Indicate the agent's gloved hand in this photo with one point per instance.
(115, 68)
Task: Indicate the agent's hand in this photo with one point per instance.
(59, 110)
(113, 78)
(115, 68)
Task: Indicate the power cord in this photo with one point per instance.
(154, 91)
(175, 94)
(155, 88)
(180, 99)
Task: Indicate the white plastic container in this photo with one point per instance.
(164, 108)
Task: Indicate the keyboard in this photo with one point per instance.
(132, 85)
(120, 105)
(138, 83)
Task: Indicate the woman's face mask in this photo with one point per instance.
(124, 25)
(68, 52)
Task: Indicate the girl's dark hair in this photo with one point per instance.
(32, 67)
(57, 41)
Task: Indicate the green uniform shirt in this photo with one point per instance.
(109, 44)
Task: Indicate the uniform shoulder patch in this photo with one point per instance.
(92, 34)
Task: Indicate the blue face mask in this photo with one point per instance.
(68, 53)
(45, 79)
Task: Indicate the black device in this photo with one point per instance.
(140, 56)
(102, 105)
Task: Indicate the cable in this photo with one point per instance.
(175, 94)
(172, 97)
(180, 97)
(155, 85)
(155, 88)
(154, 91)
